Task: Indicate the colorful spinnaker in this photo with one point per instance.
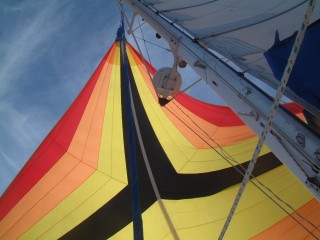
(78, 183)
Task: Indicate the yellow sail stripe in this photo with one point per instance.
(112, 159)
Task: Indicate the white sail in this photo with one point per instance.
(240, 30)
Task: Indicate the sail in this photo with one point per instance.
(243, 31)
(78, 183)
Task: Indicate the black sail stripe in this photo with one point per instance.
(116, 213)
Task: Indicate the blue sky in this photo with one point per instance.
(48, 50)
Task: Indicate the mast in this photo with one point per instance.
(289, 138)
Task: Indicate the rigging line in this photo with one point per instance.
(152, 179)
(177, 95)
(273, 110)
(138, 26)
(154, 44)
(144, 41)
(238, 169)
(231, 158)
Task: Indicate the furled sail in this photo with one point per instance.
(243, 31)
(78, 183)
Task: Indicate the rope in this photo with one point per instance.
(138, 26)
(167, 49)
(274, 107)
(177, 95)
(144, 41)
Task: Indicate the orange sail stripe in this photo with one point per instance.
(287, 228)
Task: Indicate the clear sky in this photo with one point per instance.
(48, 50)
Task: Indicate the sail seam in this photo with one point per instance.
(253, 24)
(187, 7)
